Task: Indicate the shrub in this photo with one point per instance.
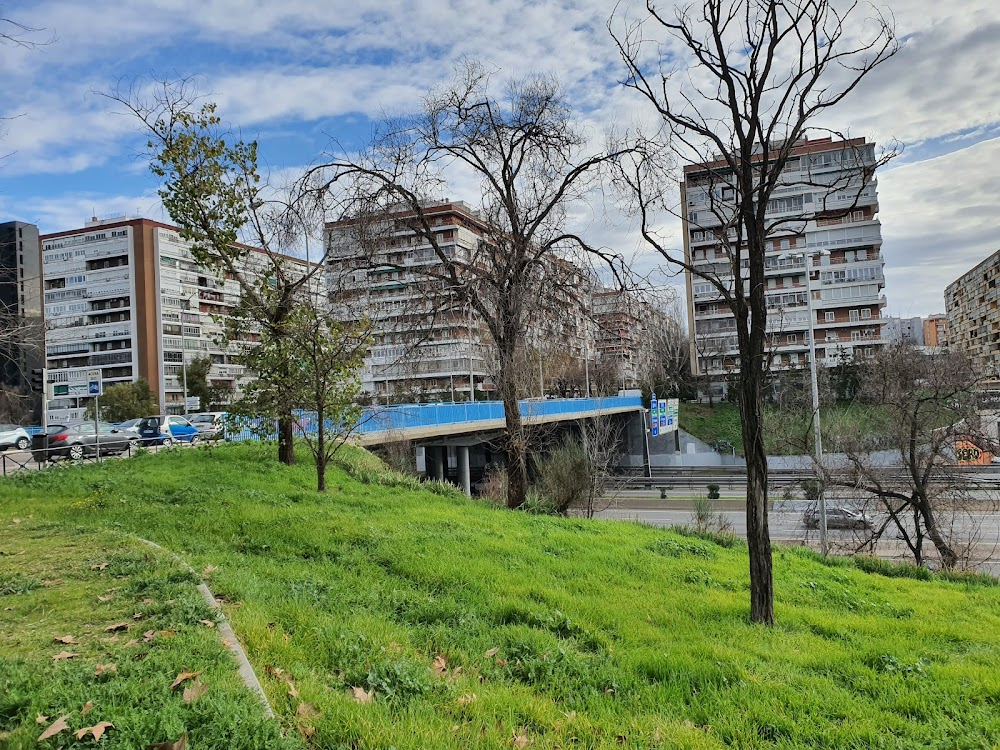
(540, 505)
(812, 488)
(563, 475)
(495, 485)
(713, 492)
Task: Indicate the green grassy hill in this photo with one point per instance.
(385, 616)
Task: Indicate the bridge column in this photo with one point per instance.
(442, 462)
(463, 469)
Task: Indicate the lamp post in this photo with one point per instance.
(184, 369)
(817, 428)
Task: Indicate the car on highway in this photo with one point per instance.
(211, 424)
(12, 436)
(79, 438)
(837, 518)
(165, 429)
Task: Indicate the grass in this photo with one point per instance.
(787, 432)
(77, 582)
(474, 627)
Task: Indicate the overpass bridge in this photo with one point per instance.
(387, 424)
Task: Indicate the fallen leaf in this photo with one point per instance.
(291, 689)
(440, 665)
(99, 566)
(361, 695)
(87, 708)
(182, 677)
(149, 635)
(149, 601)
(16, 520)
(116, 627)
(64, 655)
(305, 710)
(501, 662)
(179, 745)
(193, 693)
(103, 669)
(167, 634)
(455, 728)
(276, 671)
(131, 643)
(137, 616)
(41, 719)
(107, 598)
(207, 623)
(209, 569)
(97, 730)
(67, 639)
(57, 726)
(492, 652)
(521, 741)
(467, 699)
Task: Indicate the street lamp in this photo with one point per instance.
(184, 369)
(817, 428)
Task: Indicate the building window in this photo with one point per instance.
(830, 317)
(866, 314)
(785, 244)
(792, 338)
(858, 216)
(855, 316)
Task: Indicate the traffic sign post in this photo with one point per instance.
(654, 424)
(94, 387)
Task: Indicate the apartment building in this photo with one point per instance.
(936, 331)
(827, 248)
(972, 307)
(20, 307)
(622, 325)
(904, 331)
(126, 296)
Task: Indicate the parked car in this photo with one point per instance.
(165, 429)
(211, 424)
(837, 518)
(12, 436)
(79, 438)
(129, 425)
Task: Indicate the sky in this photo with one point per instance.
(298, 73)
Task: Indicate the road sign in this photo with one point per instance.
(193, 402)
(94, 383)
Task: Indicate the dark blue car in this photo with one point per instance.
(166, 430)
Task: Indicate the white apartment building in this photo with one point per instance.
(126, 296)
(832, 256)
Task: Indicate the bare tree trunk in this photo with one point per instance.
(949, 559)
(751, 402)
(515, 444)
(286, 441)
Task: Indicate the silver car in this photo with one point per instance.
(12, 436)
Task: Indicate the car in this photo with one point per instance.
(129, 425)
(166, 429)
(837, 518)
(79, 438)
(211, 424)
(12, 436)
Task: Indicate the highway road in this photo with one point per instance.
(786, 525)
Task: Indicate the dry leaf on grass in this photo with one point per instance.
(361, 695)
(64, 655)
(521, 741)
(131, 643)
(182, 677)
(57, 726)
(87, 708)
(41, 719)
(305, 710)
(97, 730)
(149, 635)
(179, 745)
(99, 566)
(291, 688)
(467, 699)
(138, 616)
(105, 598)
(193, 693)
(67, 639)
(207, 623)
(116, 627)
(440, 665)
(103, 669)
(16, 520)
(209, 569)
(492, 652)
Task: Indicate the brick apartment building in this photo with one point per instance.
(823, 249)
(127, 297)
(936, 331)
(972, 307)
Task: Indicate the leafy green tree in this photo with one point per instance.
(123, 401)
(213, 191)
(198, 384)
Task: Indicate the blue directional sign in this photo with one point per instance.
(94, 388)
(654, 422)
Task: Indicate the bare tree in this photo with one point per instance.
(759, 74)
(923, 496)
(601, 447)
(529, 156)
